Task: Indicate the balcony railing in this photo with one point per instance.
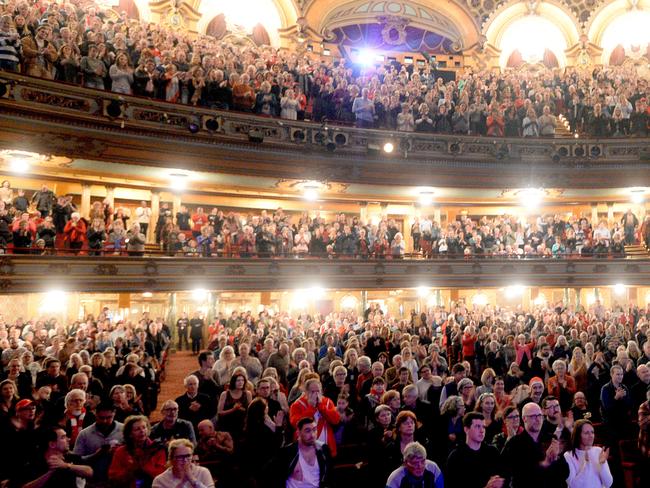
(87, 109)
(22, 274)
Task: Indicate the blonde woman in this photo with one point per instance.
(181, 471)
(578, 369)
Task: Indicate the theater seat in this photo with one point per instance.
(349, 474)
(630, 461)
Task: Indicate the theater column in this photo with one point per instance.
(363, 212)
(155, 213)
(176, 205)
(84, 209)
(577, 292)
(110, 195)
(594, 214)
(610, 215)
(364, 301)
(406, 232)
(171, 318)
(436, 215)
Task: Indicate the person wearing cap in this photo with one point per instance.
(18, 440)
(39, 54)
(56, 467)
(537, 392)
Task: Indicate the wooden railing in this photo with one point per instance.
(20, 274)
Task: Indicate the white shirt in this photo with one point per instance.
(143, 214)
(167, 479)
(310, 474)
(585, 471)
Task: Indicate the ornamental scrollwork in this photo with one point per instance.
(45, 98)
(160, 117)
(106, 270)
(150, 268)
(7, 266)
(59, 268)
(235, 270)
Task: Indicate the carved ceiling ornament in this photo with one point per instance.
(177, 15)
(393, 29)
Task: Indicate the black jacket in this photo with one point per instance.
(285, 462)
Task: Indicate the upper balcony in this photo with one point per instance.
(65, 120)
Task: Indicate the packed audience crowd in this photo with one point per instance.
(460, 397)
(78, 42)
(44, 223)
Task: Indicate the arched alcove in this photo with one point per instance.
(548, 27)
(622, 32)
(242, 16)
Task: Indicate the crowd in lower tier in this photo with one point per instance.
(83, 44)
(41, 222)
(456, 397)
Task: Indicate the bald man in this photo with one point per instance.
(529, 462)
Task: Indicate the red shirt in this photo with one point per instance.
(199, 221)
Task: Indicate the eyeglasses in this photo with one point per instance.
(170, 409)
(512, 417)
(535, 416)
(183, 457)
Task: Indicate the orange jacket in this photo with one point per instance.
(326, 413)
(553, 387)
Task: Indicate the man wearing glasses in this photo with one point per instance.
(171, 427)
(554, 425)
(527, 462)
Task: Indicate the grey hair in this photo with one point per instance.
(413, 450)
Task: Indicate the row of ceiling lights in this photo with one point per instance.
(529, 197)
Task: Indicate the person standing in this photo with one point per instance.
(306, 463)
(587, 463)
(197, 325)
(182, 327)
(473, 464)
(95, 444)
(44, 200)
(143, 216)
(525, 460)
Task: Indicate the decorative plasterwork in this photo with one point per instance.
(516, 193)
(417, 15)
(302, 185)
(176, 14)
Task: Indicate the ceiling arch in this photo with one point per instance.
(497, 26)
(452, 21)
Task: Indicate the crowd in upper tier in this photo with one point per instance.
(469, 397)
(43, 223)
(79, 43)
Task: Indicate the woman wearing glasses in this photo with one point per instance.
(511, 427)
(182, 472)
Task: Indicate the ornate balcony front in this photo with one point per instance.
(22, 274)
(54, 118)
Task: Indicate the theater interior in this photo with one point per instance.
(326, 174)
